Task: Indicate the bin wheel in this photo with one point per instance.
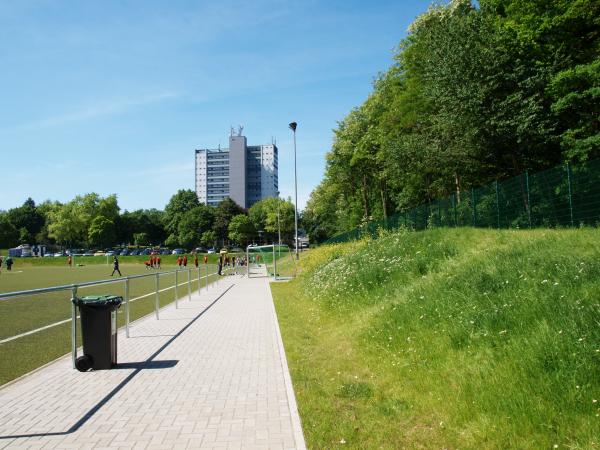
(83, 363)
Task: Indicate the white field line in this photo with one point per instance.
(55, 324)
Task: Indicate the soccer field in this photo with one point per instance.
(24, 314)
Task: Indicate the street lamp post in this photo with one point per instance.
(293, 126)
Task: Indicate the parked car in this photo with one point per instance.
(134, 252)
(124, 252)
(178, 251)
(99, 254)
(165, 251)
(59, 254)
(88, 253)
(211, 250)
(110, 253)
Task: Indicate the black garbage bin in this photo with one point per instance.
(98, 331)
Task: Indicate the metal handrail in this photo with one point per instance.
(74, 287)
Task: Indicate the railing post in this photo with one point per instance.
(157, 298)
(127, 306)
(569, 181)
(189, 271)
(175, 289)
(73, 325)
(497, 205)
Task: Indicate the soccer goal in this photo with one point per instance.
(274, 261)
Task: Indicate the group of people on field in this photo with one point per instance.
(153, 262)
(226, 261)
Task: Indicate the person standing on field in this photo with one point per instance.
(69, 261)
(116, 267)
(9, 263)
(205, 259)
(196, 260)
(184, 260)
(179, 261)
(157, 262)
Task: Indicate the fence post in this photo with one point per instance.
(570, 193)
(127, 306)
(455, 212)
(497, 204)
(74, 325)
(175, 289)
(199, 278)
(189, 271)
(206, 265)
(528, 198)
(157, 298)
(474, 207)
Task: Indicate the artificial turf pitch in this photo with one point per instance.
(23, 314)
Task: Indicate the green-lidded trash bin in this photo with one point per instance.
(98, 331)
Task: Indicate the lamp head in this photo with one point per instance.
(293, 126)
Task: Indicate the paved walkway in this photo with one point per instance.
(211, 374)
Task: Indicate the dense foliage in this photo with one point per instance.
(93, 221)
(477, 92)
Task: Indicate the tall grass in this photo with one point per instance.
(456, 338)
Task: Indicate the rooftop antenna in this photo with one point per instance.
(240, 130)
(231, 131)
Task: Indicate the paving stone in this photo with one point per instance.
(229, 386)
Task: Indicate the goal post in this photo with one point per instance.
(265, 261)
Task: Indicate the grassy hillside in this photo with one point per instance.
(460, 338)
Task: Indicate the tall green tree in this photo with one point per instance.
(182, 202)
(224, 212)
(9, 235)
(241, 229)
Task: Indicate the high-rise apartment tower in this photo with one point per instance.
(244, 173)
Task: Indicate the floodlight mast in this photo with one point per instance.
(293, 127)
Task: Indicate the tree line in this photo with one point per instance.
(93, 221)
(478, 91)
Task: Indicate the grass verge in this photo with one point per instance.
(448, 339)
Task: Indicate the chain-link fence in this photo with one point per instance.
(565, 196)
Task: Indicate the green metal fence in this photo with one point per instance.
(565, 196)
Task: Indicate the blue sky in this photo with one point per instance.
(114, 96)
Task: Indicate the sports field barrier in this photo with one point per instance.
(73, 288)
(564, 196)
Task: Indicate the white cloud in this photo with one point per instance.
(106, 108)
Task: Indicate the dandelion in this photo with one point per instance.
(594, 401)
(544, 281)
(342, 441)
(555, 446)
(503, 332)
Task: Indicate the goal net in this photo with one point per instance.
(274, 261)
